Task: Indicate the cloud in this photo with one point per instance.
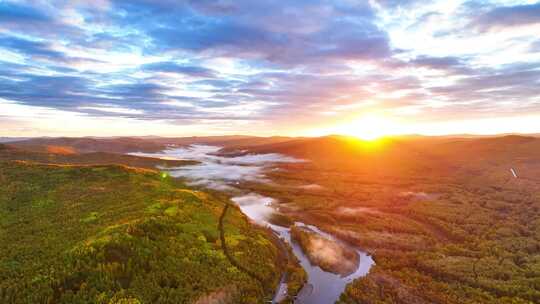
(271, 31)
(14, 12)
(30, 48)
(171, 67)
(265, 62)
(265, 32)
(510, 90)
(393, 4)
(51, 91)
(535, 47)
(220, 36)
(450, 64)
(437, 62)
(263, 36)
(507, 16)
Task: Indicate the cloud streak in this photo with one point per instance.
(508, 16)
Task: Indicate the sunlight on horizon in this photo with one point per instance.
(367, 127)
(370, 127)
(373, 126)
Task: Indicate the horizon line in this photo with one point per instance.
(532, 134)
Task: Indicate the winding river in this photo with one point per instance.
(223, 173)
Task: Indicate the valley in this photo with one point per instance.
(227, 174)
(422, 220)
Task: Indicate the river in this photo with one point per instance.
(223, 173)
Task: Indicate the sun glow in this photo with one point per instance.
(368, 127)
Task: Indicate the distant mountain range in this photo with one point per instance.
(12, 139)
(406, 153)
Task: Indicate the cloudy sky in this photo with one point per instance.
(164, 67)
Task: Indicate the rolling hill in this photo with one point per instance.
(117, 234)
(92, 144)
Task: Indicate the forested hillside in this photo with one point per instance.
(115, 234)
(445, 218)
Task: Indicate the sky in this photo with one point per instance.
(201, 67)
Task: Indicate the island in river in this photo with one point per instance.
(330, 255)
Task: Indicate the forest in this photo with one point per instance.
(444, 219)
(116, 234)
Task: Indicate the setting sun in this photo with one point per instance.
(366, 127)
(372, 127)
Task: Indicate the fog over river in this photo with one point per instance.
(222, 173)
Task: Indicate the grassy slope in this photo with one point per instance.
(100, 234)
(475, 238)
